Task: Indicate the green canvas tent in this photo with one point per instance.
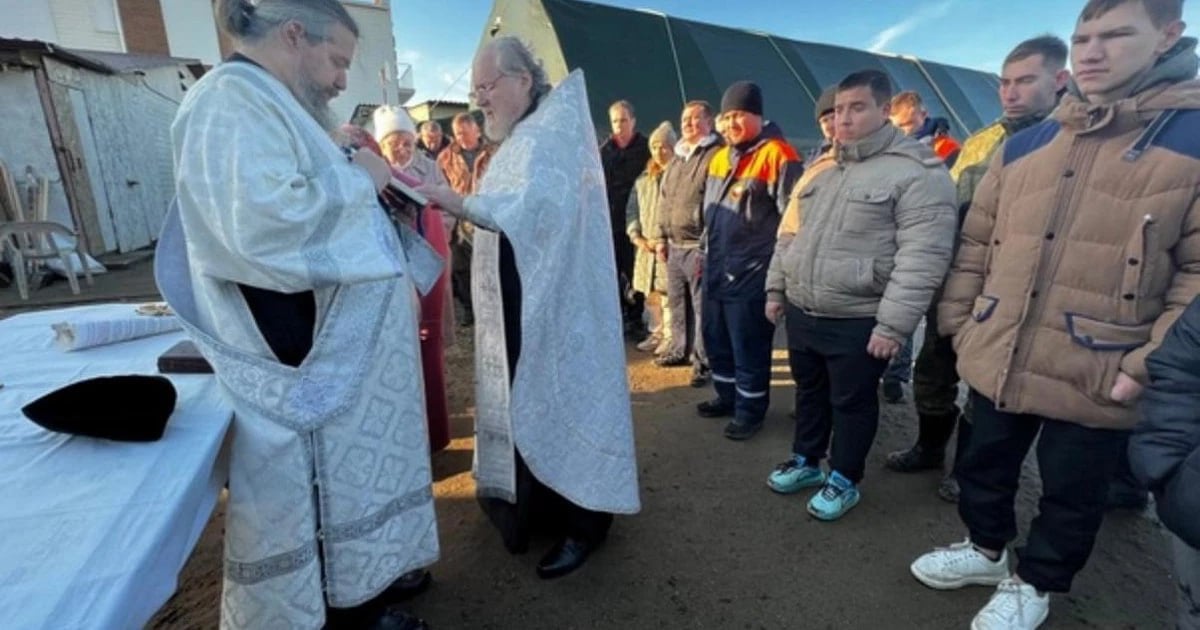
(658, 62)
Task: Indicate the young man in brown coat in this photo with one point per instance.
(1081, 247)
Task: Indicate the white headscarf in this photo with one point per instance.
(389, 119)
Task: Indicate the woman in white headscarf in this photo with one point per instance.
(642, 226)
(397, 137)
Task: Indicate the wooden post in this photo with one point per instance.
(66, 161)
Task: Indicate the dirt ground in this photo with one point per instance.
(714, 548)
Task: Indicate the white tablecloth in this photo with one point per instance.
(94, 533)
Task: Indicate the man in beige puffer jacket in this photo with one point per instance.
(1081, 247)
(863, 245)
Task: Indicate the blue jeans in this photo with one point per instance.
(900, 369)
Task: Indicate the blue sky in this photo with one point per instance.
(438, 37)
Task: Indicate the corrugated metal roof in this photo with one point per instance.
(129, 62)
(97, 60)
(435, 103)
(45, 48)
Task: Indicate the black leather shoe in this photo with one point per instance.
(713, 409)
(408, 586)
(396, 619)
(699, 377)
(739, 431)
(564, 557)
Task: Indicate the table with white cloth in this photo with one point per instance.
(94, 533)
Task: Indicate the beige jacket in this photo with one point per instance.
(867, 233)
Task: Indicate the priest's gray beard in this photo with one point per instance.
(315, 100)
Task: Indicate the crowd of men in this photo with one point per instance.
(1052, 258)
(1044, 259)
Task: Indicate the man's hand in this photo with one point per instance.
(774, 312)
(379, 170)
(661, 250)
(648, 246)
(882, 347)
(1126, 389)
(445, 198)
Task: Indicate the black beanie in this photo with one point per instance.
(743, 96)
(825, 102)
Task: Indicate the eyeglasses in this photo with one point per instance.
(485, 88)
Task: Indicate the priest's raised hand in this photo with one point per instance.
(443, 197)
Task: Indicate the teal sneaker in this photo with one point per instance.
(835, 499)
(794, 475)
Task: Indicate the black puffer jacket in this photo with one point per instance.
(1165, 450)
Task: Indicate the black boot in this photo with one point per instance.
(715, 408)
(929, 453)
(915, 459)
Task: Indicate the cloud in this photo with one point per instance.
(923, 14)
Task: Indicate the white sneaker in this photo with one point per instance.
(959, 565)
(1015, 606)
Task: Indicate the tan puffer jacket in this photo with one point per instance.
(1081, 247)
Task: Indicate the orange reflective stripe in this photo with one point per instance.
(944, 146)
(763, 165)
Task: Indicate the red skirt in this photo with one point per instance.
(433, 351)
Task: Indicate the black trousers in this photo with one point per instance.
(935, 387)
(836, 384)
(1076, 464)
(935, 377)
(541, 510)
(461, 250)
(626, 255)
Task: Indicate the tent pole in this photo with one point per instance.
(674, 53)
(937, 90)
(791, 68)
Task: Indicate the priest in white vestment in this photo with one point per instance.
(285, 270)
(554, 437)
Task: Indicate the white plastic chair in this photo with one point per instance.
(27, 239)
